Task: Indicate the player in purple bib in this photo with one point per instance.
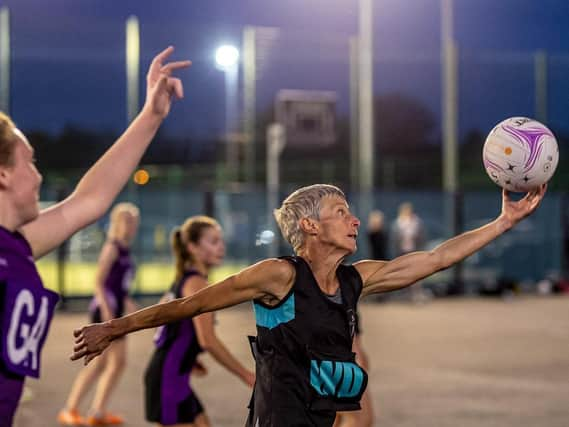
(114, 276)
(26, 234)
(170, 400)
(27, 309)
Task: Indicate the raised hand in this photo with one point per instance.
(161, 87)
(514, 211)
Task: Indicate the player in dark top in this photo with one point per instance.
(198, 246)
(27, 234)
(377, 244)
(305, 305)
(114, 276)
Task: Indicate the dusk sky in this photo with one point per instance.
(68, 56)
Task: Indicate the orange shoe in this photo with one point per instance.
(106, 420)
(70, 418)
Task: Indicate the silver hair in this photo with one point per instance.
(303, 203)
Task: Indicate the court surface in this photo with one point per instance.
(453, 362)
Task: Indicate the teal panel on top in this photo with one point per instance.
(273, 317)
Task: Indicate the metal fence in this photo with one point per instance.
(530, 252)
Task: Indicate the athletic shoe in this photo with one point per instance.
(106, 420)
(70, 418)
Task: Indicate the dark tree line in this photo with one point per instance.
(407, 143)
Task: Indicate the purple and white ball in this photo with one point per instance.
(520, 154)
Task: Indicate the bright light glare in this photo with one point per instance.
(141, 177)
(265, 237)
(226, 56)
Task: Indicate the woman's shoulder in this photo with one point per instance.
(192, 282)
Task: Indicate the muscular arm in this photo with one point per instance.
(381, 276)
(267, 279)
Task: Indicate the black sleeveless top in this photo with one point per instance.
(305, 367)
(179, 336)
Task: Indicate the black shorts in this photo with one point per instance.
(169, 399)
(96, 317)
(291, 416)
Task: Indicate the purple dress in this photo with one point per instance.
(116, 286)
(26, 310)
(169, 397)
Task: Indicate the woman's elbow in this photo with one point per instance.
(207, 343)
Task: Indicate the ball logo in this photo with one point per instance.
(519, 121)
(23, 341)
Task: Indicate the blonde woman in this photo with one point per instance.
(198, 246)
(115, 272)
(26, 233)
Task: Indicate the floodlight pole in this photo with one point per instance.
(450, 98)
(365, 103)
(453, 197)
(227, 60)
(249, 107)
(354, 114)
(5, 59)
(231, 148)
(540, 66)
(132, 45)
(132, 66)
(276, 141)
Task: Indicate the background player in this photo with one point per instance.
(198, 246)
(115, 273)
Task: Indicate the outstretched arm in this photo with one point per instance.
(105, 179)
(405, 270)
(267, 279)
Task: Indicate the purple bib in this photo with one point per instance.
(118, 281)
(26, 318)
(27, 307)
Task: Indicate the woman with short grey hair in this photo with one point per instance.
(305, 305)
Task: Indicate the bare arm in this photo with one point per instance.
(208, 339)
(267, 279)
(381, 276)
(108, 255)
(105, 179)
